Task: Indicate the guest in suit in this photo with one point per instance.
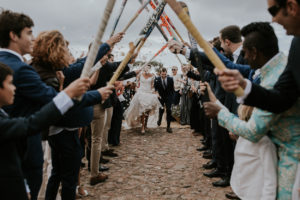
(32, 93)
(223, 147)
(262, 52)
(101, 122)
(287, 89)
(13, 130)
(282, 129)
(164, 85)
(63, 138)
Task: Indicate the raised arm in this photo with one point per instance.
(17, 128)
(74, 70)
(258, 125)
(243, 69)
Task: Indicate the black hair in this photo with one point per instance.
(12, 21)
(282, 3)
(163, 69)
(217, 44)
(261, 35)
(4, 72)
(232, 33)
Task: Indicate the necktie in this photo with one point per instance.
(164, 83)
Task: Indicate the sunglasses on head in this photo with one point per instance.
(273, 10)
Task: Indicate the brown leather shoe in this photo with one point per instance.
(98, 179)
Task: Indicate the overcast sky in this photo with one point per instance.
(78, 20)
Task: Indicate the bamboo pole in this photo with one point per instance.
(123, 64)
(185, 19)
(135, 16)
(95, 46)
(119, 16)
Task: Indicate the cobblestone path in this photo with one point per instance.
(157, 165)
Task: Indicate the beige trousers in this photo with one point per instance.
(109, 113)
(46, 169)
(98, 127)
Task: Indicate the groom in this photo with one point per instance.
(164, 85)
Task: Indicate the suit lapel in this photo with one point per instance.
(241, 60)
(3, 114)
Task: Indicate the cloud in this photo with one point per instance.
(78, 21)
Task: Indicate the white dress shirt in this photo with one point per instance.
(236, 54)
(177, 83)
(62, 101)
(63, 106)
(12, 52)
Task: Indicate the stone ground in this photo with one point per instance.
(157, 165)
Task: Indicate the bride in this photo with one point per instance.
(144, 103)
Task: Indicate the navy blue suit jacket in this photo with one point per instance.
(32, 93)
(242, 67)
(13, 130)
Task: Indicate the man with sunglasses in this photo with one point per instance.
(287, 89)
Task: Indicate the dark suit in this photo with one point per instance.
(31, 95)
(105, 74)
(116, 121)
(166, 96)
(202, 121)
(222, 145)
(286, 90)
(13, 130)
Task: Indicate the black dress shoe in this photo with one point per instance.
(207, 151)
(103, 168)
(103, 160)
(109, 153)
(207, 155)
(204, 148)
(169, 130)
(158, 122)
(210, 165)
(224, 182)
(232, 195)
(214, 173)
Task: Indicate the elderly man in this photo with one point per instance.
(176, 78)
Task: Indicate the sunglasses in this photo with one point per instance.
(173, 69)
(273, 10)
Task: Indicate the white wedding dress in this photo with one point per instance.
(144, 100)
